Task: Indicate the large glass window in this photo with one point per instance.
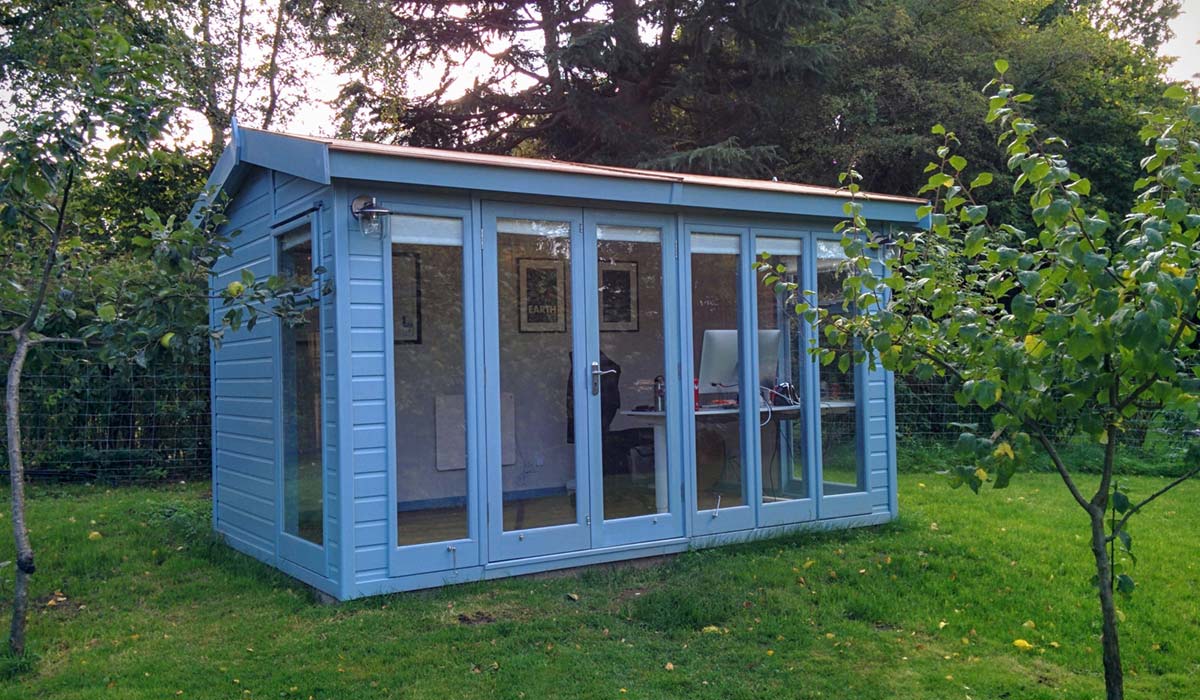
(633, 415)
(430, 369)
(716, 347)
(537, 423)
(781, 362)
(840, 462)
(303, 483)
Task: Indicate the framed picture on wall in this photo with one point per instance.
(618, 296)
(406, 298)
(542, 295)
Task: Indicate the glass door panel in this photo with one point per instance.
(782, 358)
(783, 361)
(538, 482)
(720, 401)
(629, 262)
(842, 471)
(434, 466)
(631, 403)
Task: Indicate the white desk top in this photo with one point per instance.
(734, 410)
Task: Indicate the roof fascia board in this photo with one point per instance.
(304, 158)
(225, 177)
(485, 178)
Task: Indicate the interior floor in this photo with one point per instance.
(622, 500)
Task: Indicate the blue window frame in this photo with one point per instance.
(429, 256)
(300, 398)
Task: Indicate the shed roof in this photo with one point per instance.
(562, 166)
(322, 159)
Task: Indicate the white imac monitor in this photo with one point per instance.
(719, 360)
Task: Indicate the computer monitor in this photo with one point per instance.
(719, 360)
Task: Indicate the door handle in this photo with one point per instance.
(596, 374)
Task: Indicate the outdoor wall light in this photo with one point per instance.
(369, 215)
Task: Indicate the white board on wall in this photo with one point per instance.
(450, 428)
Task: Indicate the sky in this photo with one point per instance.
(1187, 32)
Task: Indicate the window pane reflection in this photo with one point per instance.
(716, 341)
(303, 483)
(536, 394)
(840, 461)
(430, 370)
(633, 415)
(782, 358)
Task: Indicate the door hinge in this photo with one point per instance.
(588, 519)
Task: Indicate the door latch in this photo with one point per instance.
(596, 374)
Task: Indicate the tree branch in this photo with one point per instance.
(51, 256)
(1033, 427)
(1149, 499)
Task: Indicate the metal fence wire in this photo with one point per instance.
(86, 421)
(83, 420)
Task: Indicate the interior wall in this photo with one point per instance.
(428, 369)
(534, 368)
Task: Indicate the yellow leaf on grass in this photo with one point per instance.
(711, 629)
(1029, 624)
(669, 666)
(93, 535)
(1022, 644)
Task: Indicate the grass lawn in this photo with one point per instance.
(924, 608)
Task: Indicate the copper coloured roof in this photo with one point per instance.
(558, 166)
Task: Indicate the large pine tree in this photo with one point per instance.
(664, 83)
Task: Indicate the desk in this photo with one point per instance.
(658, 421)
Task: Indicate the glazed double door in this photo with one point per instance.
(579, 317)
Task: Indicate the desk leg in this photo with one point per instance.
(661, 500)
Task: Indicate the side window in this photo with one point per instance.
(303, 485)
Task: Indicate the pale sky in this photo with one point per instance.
(1187, 33)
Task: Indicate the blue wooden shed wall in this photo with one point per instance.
(244, 376)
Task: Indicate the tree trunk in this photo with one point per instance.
(16, 474)
(1114, 679)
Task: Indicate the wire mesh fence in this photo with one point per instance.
(84, 420)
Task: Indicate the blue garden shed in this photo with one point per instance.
(520, 365)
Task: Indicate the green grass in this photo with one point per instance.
(925, 608)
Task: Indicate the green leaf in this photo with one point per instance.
(1120, 501)
(1175, 92)
(1023, 307)
(1125, 584)
(106, 312)
(976, 213)
(981, 180)
(1002, 66)
(958, 163)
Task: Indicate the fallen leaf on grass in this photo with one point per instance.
(1022, 644)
